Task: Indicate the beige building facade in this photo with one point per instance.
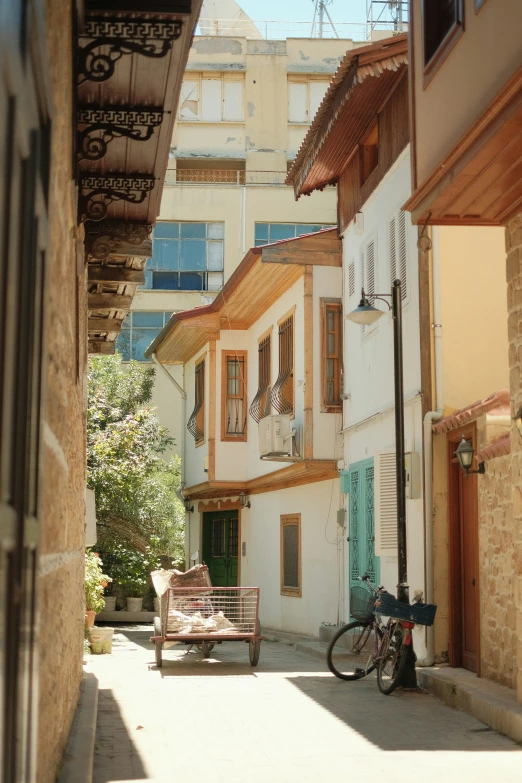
(244, 109)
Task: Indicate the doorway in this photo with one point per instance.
(221, 547)
(361, 534)
(463, 560)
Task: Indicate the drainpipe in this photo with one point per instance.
(429, 418)
(183, 395)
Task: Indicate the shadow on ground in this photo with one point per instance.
(115, 755)
(382, 719)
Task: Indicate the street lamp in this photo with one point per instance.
(465, 453)
(365, 315)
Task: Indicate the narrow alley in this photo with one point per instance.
(287, 720)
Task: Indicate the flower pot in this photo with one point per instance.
(101, 640)
(157, 606)
(110, 603)
(90, 615)
(134, 604)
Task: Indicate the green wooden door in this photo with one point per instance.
(220, 547)
(362, 557)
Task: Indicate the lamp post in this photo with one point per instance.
(365, 315)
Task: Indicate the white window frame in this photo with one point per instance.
(224, 78)
(306, 81)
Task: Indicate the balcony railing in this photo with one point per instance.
(224, 177)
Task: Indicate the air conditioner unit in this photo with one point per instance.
(276, 436)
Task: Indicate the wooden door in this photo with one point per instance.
(362, 558)
(221, 547)
(464, 563)
(24, 181)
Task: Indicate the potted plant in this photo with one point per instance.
(131, 568)
(95, 581)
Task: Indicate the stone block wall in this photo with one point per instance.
(496, 556)
(514, 302)
(62, 516)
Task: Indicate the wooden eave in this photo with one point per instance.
(480, 181)
(263, 276)
(130, 62)
(361, 86)
(295, 475)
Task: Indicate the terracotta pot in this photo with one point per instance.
(90, 615)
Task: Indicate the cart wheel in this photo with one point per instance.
(158, 645)
(206, 649)
(254, 648)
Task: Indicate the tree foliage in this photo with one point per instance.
(135, 486)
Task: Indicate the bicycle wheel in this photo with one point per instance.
(392, 657)
(349, 656)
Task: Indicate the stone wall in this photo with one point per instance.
(63, 460)
(514, 301)
(497, 582)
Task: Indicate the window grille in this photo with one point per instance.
(196, 423)
(283, 391)
(234, 397)
(217, 538)
(260, 406)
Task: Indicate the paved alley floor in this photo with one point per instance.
(286, 721)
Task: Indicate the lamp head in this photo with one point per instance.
(365, 314)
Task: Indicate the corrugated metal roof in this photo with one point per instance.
(350, 101)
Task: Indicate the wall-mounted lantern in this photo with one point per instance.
(465, 454)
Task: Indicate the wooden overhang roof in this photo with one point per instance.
(265, 273)
(359, 88)
(130, 62)
(480, 181)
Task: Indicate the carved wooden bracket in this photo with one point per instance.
(117, 238)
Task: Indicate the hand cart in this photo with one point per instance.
(204, 616)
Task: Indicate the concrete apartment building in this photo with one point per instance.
(245, 107)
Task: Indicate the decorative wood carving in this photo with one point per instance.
(118, 238)
(98, 191)
(107, 123)
(112, 38)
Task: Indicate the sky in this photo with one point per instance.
(303, 10)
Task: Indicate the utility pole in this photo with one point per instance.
(319, 13)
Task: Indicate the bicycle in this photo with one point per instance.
(346, 656)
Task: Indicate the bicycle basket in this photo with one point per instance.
(420, 614)
(362, 604)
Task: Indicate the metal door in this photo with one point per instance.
(24, 180)
(362, 558)
(220, 547)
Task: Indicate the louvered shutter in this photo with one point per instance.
(351, 278)
(385, 503)
(401, 253)
(369, 272)
(392, 251)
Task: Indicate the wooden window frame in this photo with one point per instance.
(262, 399)
(326, 306)
(369, 152)
(279, 385)
(286, 520)
(431, 67)
(226, 355)
(198, 414)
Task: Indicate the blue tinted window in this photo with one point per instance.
(193, 255)
(165, 254)
(166, 231)
(193, 230)
(260, 242)
(166, 281)
(123, 345)
(261, 231)
(148, 277)
(281, 231)
(191, 281)
(147, 319)
(303, 229)
(141, 339)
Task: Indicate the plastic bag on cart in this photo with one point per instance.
(183, 624)
(197, 576)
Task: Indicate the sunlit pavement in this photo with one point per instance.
(286, 720)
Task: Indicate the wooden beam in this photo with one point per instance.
(108, 302)
(210, 321)
(102, 347)
(104, 325)
(115, 274)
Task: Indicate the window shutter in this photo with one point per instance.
(233, 101)
(211, 100)
(369, 277)
(188, 100)
(385, 503)
(317, 92)
(297, 109)
(392, 251)
(351, 278)
(401, 252)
